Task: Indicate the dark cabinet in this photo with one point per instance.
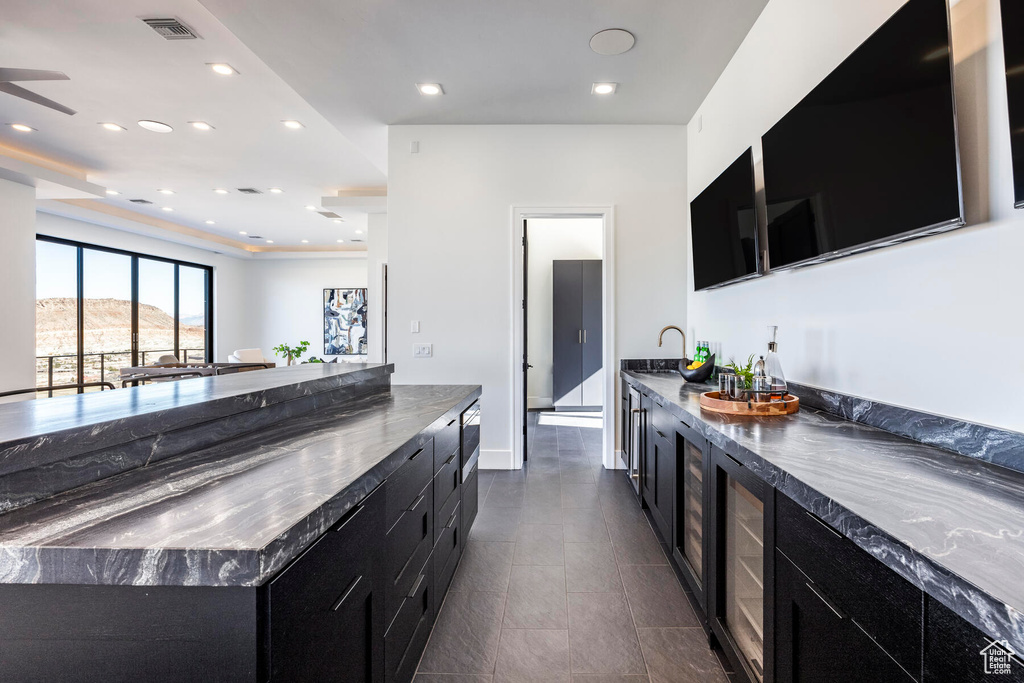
(738, 604)
(659, 467)
(816, 640)
(407, 634)
(692, 498)
(326, 609)
(576, 342)
(957, 652)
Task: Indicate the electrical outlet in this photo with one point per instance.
(422, 350)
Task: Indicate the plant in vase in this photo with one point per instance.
(744, 372)
(292, 353)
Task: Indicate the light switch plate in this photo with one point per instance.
(415, 326)
(422, 350)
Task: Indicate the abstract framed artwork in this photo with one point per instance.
(345, 322)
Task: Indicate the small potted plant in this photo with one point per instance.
(290, 352)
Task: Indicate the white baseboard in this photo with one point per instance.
(496, 460)
(619, 464)
(539, 402)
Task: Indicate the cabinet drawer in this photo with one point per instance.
(447, 552)
(409, 543)
(663, 422)
(470, 499)
(446, 481)
(952, 650)
(329, 602)
(408, 633)
(443, 515)
(446, 442)
(885, 605)
(408, 481)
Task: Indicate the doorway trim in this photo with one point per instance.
(607, 214)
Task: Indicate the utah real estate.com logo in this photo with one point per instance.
(997, 657)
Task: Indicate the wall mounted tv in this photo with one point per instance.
(870, 157)
(723, 227)
(1013, 50)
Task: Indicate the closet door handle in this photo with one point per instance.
(584, 336)
(579, 337)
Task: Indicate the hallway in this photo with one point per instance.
(563, 579)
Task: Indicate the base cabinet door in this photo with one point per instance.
(955, 651)
(326, 609)
(816, 641)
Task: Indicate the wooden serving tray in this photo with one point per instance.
(787, 406)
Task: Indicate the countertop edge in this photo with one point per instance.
(989, 614)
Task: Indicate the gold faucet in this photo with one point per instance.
(672, 327)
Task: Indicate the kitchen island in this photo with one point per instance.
(243, 527)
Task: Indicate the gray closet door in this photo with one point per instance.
(567, 333)
(593, 358)
(577, 326)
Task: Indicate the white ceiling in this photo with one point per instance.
(122, 71)
(511, 61)
(344, 69)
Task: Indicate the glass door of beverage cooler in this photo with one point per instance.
(737, 601)
(692, 496)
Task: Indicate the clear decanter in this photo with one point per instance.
(773, 366)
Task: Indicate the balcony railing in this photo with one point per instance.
(64, 367)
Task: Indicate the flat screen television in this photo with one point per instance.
(723, 227)
(870, 157)
(1013, 50)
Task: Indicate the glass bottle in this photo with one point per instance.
(773, 366)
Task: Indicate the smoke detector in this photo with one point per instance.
(612, 41)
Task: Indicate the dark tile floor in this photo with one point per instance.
(563, 579)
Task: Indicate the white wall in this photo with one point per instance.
(552, 239)
(284, 299)
(907, 324)
(450, 242)
(232, 327)
(376, 259)
(17, 283)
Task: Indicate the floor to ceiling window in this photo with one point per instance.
(99, 310)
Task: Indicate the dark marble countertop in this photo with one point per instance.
(33, 433)
(950, 524)
(231, 514)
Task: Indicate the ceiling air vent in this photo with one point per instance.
(172, 29)
(255, 237)
(328, 214)
(357, 240)
(249, 190)
(140, 201)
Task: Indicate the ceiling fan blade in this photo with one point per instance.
(18, 91)
(31, 75)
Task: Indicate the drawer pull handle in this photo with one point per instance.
(451, 457)
(451, 520)
(453, 422)
(658, 432)
(348, 592)
(416, 586)
(822, 523)
(351, 515)
(416, 503)
(734, 460)
(828, 603)
(416, 454)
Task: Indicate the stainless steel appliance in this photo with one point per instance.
(635, 439)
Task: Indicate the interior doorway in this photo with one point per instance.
(563, 334)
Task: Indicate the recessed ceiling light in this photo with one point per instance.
(305, 241)
(604, 88)
(155, 126)
(310, 207)
(242, 232)
(166, 191)
(276, 190)
(166, 208)
(337, 220)
(294, 125)
(200, 125)
(340, 241)
(113, 127)
(270, 241)
(359, 232)
(113, 192)
(220, 190)
(21, 127)
(430, 88)
(211, 222)
(223, 69)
